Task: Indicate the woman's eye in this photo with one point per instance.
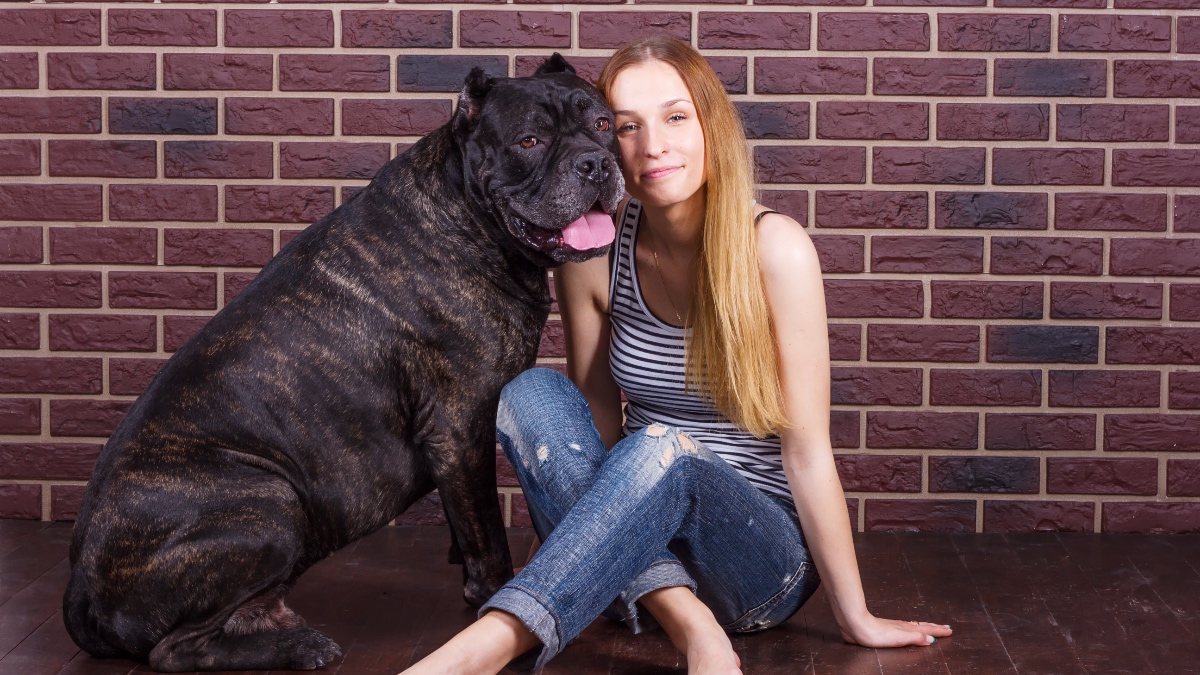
(602, 124)
(625, 127)
(677, 116)
(528, 142)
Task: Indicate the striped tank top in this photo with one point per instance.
(646, 359)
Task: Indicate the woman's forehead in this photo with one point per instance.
(646, 86)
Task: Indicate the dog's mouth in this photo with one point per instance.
(592, 230)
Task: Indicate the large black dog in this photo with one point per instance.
(360, 370)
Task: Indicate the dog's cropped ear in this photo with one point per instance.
(470, 99)
(555, 64)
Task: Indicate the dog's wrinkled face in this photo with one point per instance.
(541, 153)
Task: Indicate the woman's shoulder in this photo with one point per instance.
(783, 242)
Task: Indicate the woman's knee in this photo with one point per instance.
(527, 396)
(661, 444)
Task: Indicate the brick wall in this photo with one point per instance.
(1005, 196)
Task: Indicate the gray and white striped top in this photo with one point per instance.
(646, 359)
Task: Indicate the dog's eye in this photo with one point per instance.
(602, 124)
(528, 142)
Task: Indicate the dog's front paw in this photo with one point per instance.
(311, 649)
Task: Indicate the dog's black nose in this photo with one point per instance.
(594, 166)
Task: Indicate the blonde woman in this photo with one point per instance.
(719, 501)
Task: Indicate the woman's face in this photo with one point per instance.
(662, 144)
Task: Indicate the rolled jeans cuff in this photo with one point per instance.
(537, 617)
(660, 574)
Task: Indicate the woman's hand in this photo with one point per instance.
(875, 632)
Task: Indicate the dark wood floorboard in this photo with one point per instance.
(1036, 603)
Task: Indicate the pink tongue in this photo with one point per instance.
(593, 230)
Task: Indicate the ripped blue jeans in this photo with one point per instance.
(659, 510)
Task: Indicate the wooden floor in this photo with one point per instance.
(1036, 603)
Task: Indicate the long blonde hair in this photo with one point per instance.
(730, 353)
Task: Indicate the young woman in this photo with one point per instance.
(719, 500)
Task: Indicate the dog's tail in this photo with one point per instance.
(82, 623)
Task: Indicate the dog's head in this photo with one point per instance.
(541, 151)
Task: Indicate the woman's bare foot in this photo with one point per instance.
(693, 630)
(710, 653)
(483, 648)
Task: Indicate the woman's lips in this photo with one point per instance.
(660, 172)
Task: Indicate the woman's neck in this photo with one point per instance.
(677, 230)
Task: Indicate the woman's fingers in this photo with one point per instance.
(923, 632)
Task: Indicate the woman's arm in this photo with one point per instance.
(796, 300)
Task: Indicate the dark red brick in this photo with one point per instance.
(331, 160)
(872, 120)
(861, 298)
(553, 342)
(845, 342)
(1111, 123)
(992, 32)
(917, 342)
(1114, 33)
(1149, 432)
(425, 511)
(79, 417)
(859, 31)
(102, 332)
(923, 254)
(50, 114)
(218, 71)
(754, 30)
(390, 29)
(986, 300)
(1185, 302)
(1039, 431)
(276, 203)
(162, 202)
(47, 461)
(871, 209)
(1077, 4)
(772, 119)
(1150, 79)
(20, 331)
(1184, 388)
(20, 416)
(1187, 213)
(875, 386)
(792, 75)
(178, 329)
(236, 282)
(226, 248)
(1187, 123)
(984, 387)
(112, 159)
(131, 376)
(520, 512)
(217, 159)
(514, 29)
(49, 26)
(1102, 476)
(991, 210)
(1050, 77)
(606, 30)
(23, 157)
(65, 501)
(420, 72)
(163, 290)
(21, 501)
(1160, 167)
(1043, 344)
(984, 474)
(1046, 255)
(1183, 478)
(19, 70)
(919, 515)
(278, 28)
(1152, 345)
(103, 245)
(993, 121)
(587, 67)
(930, 77)
(279, 116)
(1151, 517)
(928, 165)
(39, 375)
(880, 473)
(50, 289)
(334, 72)
(392, 117)
(1079, 300)
(843, 428)
(1104, 388)
(20, 244)
(843, 254)
(1046, 166)
(1002, 517)
(1189, 28)
(810, 164)
(162, 115)
(1144, 257)
(922, 430)
(161, 27)
(80, 70)
(1095, 211)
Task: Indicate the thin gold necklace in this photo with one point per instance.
(658, 269)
